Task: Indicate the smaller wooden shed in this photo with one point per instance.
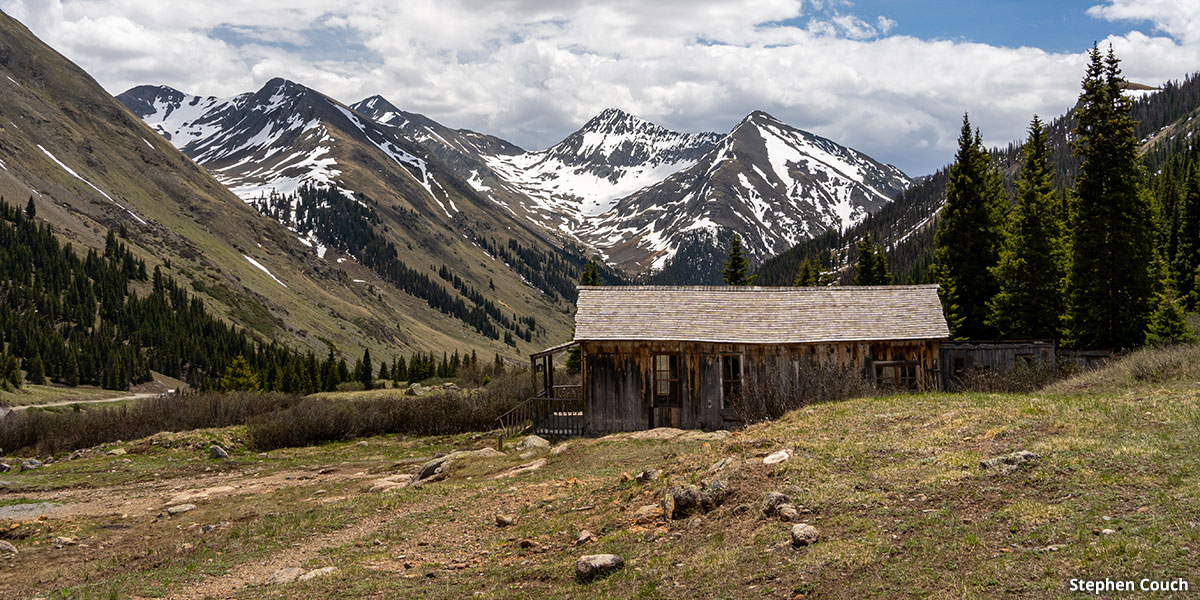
(660, 356)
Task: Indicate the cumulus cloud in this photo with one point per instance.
(532, 71)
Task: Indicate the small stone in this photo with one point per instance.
(527, 544)
(217, 452)
(180, 509)
(31, 463)
(787, 513)
(585, 536)
(313, 574)
(804, 534)
(713, 494)
(76, 455)
(533, 442)
(777, 457)
(594, 566)
(722, 464)
(772, 501)
(740, 510)
(7, 547)
(63, 540)
(285, 575)
(1010, 462)
(433, 470)
(1107, 531)
(528, 454)
(362, 443)
(116, 452)
(559, 449)
(648, 475)
(647, 514)
(506, 520)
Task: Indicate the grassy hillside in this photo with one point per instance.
(894, 484)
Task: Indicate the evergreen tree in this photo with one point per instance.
(1186, 262)
(70, 375)
(735, 272)
(10, 372)
(810, 275)
(966, 244)
(383, 371)
(498, 364)
(1111, 282)
(1030, 272)
(364, 374)
(1167, 324)
(36, 370)
(239, 377)
(591, 275)
(30, 209)
(871, 267)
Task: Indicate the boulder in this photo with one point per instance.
(433, 470)
(594, 566)
(285, 575)
(771, 502)
(7, 547)
(414, 389)
(681, 501)
(31, 463)
(713, 493)
(804, 534)
(647, 514)
(217, 452)
(313, 574)
(1010, 462)
(179, 509)
(777, 457)
(533, 442)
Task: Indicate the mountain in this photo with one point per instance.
(771, 183)
(641, 194)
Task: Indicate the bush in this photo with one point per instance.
(49, 432)
(767, 393)
(1148, 365)
(1021, 378)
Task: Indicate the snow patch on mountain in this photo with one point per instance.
(264, 270)
(72, 172)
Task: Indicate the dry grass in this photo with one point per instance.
(1170, 364)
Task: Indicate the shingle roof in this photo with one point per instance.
(759, 315)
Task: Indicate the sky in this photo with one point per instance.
(891, 78)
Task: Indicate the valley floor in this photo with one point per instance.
(894, 485)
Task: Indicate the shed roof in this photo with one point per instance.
(759, 315)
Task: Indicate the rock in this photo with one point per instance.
(771, 502)
(533, 442)
(76, 455)
(787, 513)
(527, 544)
(528, 454)
(525, 468)
(1107, 531)
(681, 501)
(285, 575)
(217, 452)
(313, 574)
(705, 436)
(559, 449)
(63, 540)
(585, 536)
(414, 389)
(648, 476)
(5, 467)
(593, 566)
(390, 483)
(647, 514)
(7, 547)
(804, 534)
(179, 509)
(450, 385)
(480, 453)
(437, 468)
(506, 520)
(116, 452)
(362, 443)
(722, 464)
(1010, 462)
(31, 463)
(713, 493)
(777, 457)
(740, 510)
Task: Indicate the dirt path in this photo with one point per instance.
(95, 401)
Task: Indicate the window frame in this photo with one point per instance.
(739, 381)
(671, 379)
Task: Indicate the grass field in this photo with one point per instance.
(45, 394)
(894, 485)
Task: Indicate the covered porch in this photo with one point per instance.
(555, 410)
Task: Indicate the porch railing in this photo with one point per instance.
(546, 416)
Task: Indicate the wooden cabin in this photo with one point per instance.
(960, 359)
(659, 356)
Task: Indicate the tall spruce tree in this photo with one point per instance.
(239, 377)
(1030, 272)
(364, 374)
(810, 275)
(736, 270)
(967, 241)
(1186, 262)
(871, 266)
(1111, 283)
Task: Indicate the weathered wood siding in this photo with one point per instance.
(619, 377)
(957, 359)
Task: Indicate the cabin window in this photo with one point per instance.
(1025, 359)
(731, 378)
(897, 374)
(666, 379)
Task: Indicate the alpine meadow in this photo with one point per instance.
(793, 300)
